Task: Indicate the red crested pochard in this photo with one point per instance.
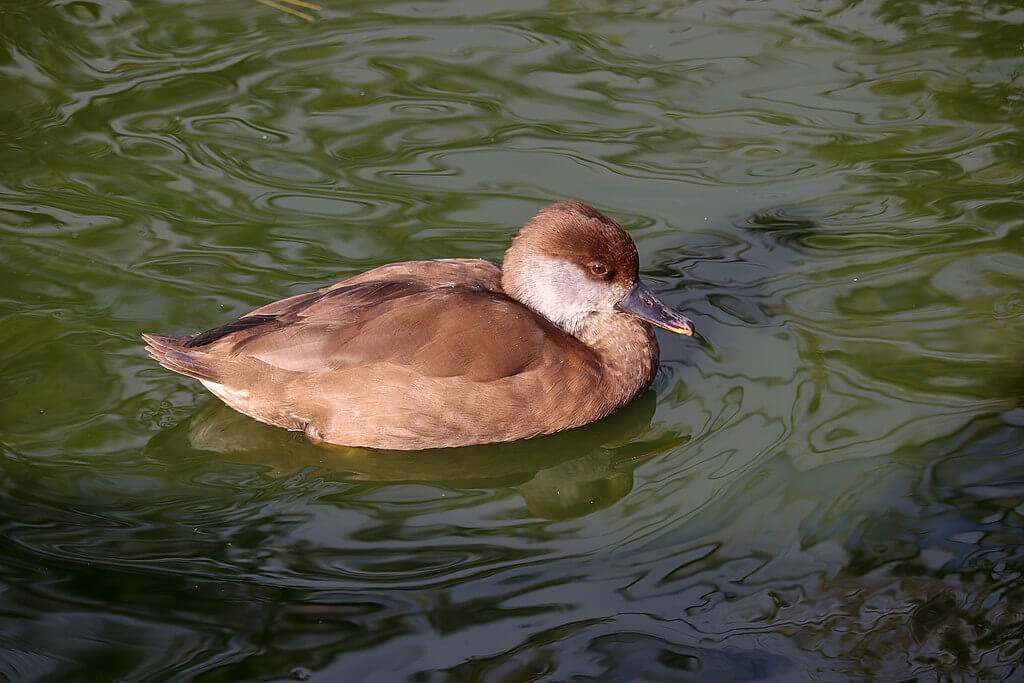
(452, 352)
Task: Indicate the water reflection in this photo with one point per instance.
(563, 475)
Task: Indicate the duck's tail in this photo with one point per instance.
(169, 350)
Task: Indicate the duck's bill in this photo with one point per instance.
(641, 302)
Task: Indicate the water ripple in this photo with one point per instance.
(830, 473)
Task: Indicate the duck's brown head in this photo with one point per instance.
(570, 261)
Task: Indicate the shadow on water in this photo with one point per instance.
(568, 474)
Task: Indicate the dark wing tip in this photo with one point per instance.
(245, 323)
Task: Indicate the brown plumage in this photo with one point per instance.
(451, 352)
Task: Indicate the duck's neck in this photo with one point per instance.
(628, 352)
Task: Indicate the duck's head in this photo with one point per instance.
(569, 262)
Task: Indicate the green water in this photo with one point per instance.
(827, 485)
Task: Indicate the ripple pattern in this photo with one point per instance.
(825, 486)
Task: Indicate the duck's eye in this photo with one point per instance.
(599, 269)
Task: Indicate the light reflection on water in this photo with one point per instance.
(826, 485)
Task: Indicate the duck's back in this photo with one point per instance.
(407, 356)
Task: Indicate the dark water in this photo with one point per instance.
(829, 485)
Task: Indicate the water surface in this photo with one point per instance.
(827, 485)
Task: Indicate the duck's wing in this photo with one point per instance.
(339, 310)
(371, 329)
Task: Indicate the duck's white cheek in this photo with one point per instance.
(562, 292)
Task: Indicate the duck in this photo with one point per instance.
(448, 352)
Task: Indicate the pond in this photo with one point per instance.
(826, 484)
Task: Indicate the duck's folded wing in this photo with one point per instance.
(432, 332)
(473, 334)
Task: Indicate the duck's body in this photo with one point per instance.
(452, 352)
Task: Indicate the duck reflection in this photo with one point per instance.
(568, 474)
